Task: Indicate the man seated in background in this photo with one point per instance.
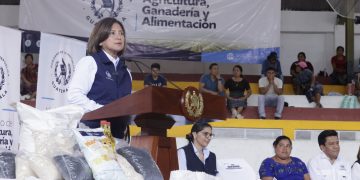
(328, 164)
(212, 83)
(273, 62)
(270, 88)
(155, 78)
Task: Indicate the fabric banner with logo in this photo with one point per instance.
(57, 59)
(10, 56)
(228, 31)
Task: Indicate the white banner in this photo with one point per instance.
(10, 44)
(233, 31)
(57, 59)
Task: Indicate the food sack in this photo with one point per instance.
(73, 167)
(142, 162)
(127, 168)
(7, 165)
(99, 154)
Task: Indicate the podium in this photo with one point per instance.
(151, 106)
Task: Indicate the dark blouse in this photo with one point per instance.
(237, 89)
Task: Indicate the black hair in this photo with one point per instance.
(324, 134)
(127, 134)
(278, 139)
(272, 55)
(212, 64)
(358, 155)
(238, 66)
(155, 65)
(197, 127)
(101, 32)
(270, 69)
(340, 47)
(301, 53)
(27, 55)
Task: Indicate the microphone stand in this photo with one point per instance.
(137, 65)
(136, 62)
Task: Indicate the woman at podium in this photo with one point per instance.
(195, 156)
(102, 77)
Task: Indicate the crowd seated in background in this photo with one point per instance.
(29, 76)
(304, 81)
(155, 78)
(282, 166)
(339, 64)
(195, 156)
(212, 83)
(238, 92)
(328, 164)
(273, 62)
(355, 169)
(271, 89)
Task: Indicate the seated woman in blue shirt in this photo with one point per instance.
(195, 156)
(282, 166)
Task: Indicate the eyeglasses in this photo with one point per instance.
(208, 135)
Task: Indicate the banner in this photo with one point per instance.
(30, 42)
(228, 31)
(57, 59)
(10, 44)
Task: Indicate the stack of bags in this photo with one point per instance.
(51, 148)
(45, 136)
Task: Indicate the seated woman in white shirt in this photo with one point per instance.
(355, 170)
(195, 156)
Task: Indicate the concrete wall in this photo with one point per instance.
(9, 15)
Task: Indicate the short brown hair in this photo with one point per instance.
(100, 33)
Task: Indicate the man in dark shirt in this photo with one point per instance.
(155, 79)
(273, 62)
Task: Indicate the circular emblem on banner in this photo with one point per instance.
(4, 78)
(230, 56)
(62, 66)
(28, 43)
(192, 103)
(104, 8)
(38, 43)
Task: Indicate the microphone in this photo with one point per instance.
(136, 62)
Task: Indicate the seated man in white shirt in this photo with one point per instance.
(355, 169)
(328, 165)
(270, 88)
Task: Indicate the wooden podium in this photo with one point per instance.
(152, 105)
